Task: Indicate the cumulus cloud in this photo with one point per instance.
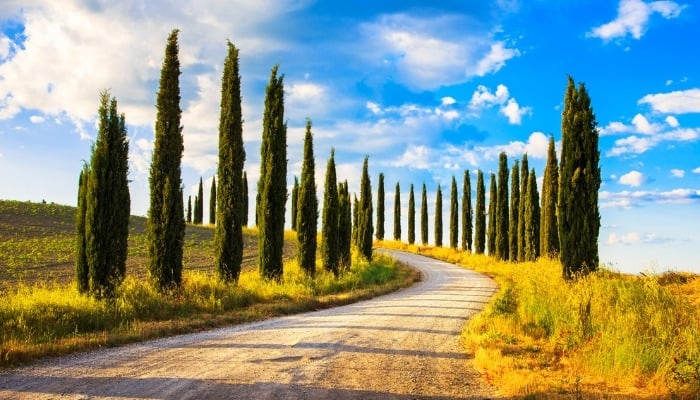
(36, 119)
(627, 199)
(633, 17)
(696, 170)
(514, 112)
(676, 102)
(483, 98)
(632, 178)
(647, 134)
(495, 59)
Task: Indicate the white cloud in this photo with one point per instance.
(414, 157)
(6, 47)
(633, 17)
(633, 238)
(672, 121)
(627, 199)
(677, 173)
(514, 112)
(640, 124)
(373, 107)
(448, 101)
(632, 178)
(676, 102)
(639, 145)
(36, 119)
(696, 170)
(495, 59)
(483, 98)
(304, 92)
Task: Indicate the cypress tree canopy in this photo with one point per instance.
(397, 213)
(467, 222)
(331, 213)
(491, 230)
(380, 208)
(344, 226)
(307, 208)
(502, 220)
(514, 212)
(212, 202)
(480, 215)
(524, 178)
(295, 200)
(411, 216)
(438, 217)
(424, 216)
(532, 220)
(549, 234)
(364, 233)
(454, 215)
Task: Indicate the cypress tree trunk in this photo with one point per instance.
(344, 226)
(380, 208)
(232, 207)
(245, 202)
(81, 265)
(272, 186)
(364, 234)
(480, 215)
(331, 213)
(514, 212)
(454, 215)
(532, 220)
(411, 216)
(549, 235)
(397, 213)
(491, 232)
(189, 210)
(467, 212)
(307, 208)
(295, 200)
(502, 220)
(424, 217)
(438, 217)
(524, 177)
(212, 202)
(579, 182)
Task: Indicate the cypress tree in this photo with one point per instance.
(364, 227)
(480, 215)
(189, 210)
(514, 211)
(307, 208)
(579, 182)
(397, 213)
(532, 220)
(212, 202)
(200, 203)
(195, 212)
(411, 216)
(491, 232)
(438, 217)
(355, 221)
(257, 206)
(107, 202)
(231, 205)
(454, 215)
(166, 225)
(272, 186)
(344, 226)
(467, 212)
(81, 265)
(295, 200)
(524, 177)
(549, 236)
(502, 245)
(380, 208)
(331, 213)
(424, 216)
(244, 205)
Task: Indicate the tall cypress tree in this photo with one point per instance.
(244, 204)
(355, 221)
(502, 223)
(480, 215)
(438, 217)
(344, 226)
(411, 216)
(491, 230)
(579, 182)
(212, 202)
(532, 220)
(166, 225)
(364, 227)
(454, 215)
(107, 202)
(272, 186)
(331, 213)
(232, 207)
(195, 211)
(549, 235)
(307, 208)
(514, 211)
(397, 213)
(81, 264)
(189, 210)
(467, 212)
(380, 207)
(524, 178)
(424, 216)
(200, 202)
(295, 201)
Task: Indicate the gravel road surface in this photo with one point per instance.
(400, 346)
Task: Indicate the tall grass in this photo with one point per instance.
(603, 333)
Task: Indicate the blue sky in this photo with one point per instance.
(427, 89)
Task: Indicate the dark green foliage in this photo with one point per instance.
(257, 206)
(81, 264)
(331, 213)
(232, 204)
(532, 220)
(397, 213)
(514, 212)
(491, 231)
(380, 207)
(189, 210)
(307, 207)
(344, 226)
(212, 202)
(107, 203)
(480, 215)
(454, 215)
(579, 182)
(295, 200)
(195, 211)
(200, 203)
(467, 212)
(424, 216)
(272, 185)
(549, 235)
(502, 245)
(166, 225)
(438, 217)
(524, 177)
(364, 222)
(411, 216)
(355, 221)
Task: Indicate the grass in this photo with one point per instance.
(42, 314)
(606, 335)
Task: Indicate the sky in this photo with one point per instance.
(426, 89)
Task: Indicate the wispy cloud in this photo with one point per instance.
(633, 17)
(647, 134)
(634, 238)
(627, 199)
(677, 173)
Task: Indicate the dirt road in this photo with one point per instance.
(403, 346)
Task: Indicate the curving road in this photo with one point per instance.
(403, 346)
